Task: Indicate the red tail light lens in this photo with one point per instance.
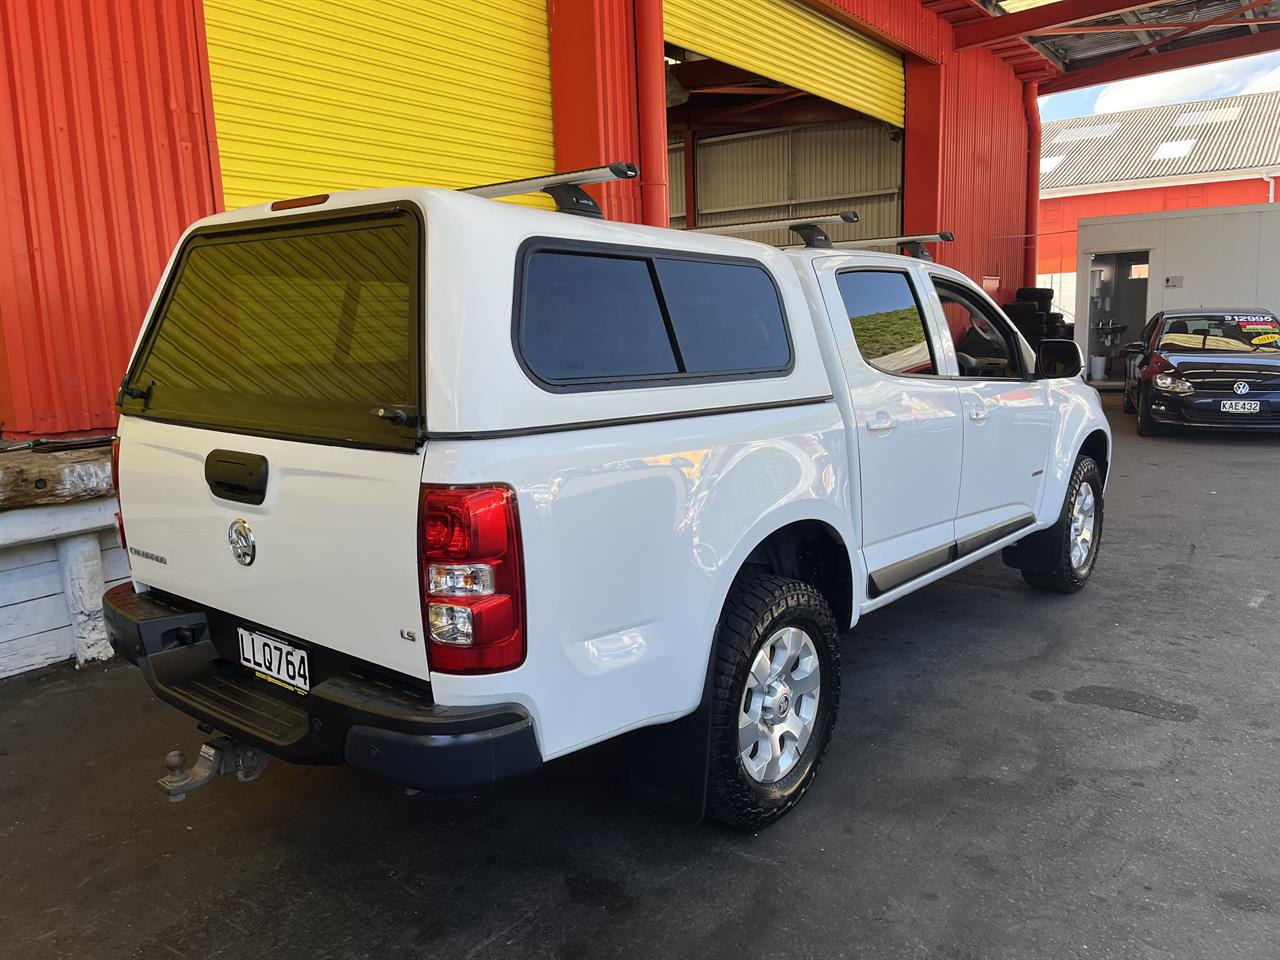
(115, 482)
(472, 579)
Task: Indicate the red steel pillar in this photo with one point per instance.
(593, 94)
(1031, 100)
(923, 159)
(651, 78)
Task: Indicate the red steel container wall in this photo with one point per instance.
(984, 169)
(106, 154)
(1059, 216)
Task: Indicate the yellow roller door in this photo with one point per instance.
(312, 96)
(789, 43)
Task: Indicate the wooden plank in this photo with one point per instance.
(39, 650)
(34, 616)
(31, 478)
(26, 555)
(30, 583)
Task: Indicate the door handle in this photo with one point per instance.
(980, 415)
(240, 477)
(881, 423)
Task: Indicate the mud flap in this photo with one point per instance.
(1040, 552)
(668, 763)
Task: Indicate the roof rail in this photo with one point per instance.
(564, 188)
(809, 230)
(913, 245)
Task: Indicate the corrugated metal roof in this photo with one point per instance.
(1232, 133)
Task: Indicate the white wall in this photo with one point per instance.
(54, 564)
(1063, 286)
(1226, 257)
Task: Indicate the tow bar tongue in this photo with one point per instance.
(220, 755)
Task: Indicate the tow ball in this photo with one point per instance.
(218, 756)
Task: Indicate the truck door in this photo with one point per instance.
(1008, 421)
(907, 420)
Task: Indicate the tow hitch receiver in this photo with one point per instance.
(220, 755)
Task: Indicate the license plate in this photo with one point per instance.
(276, 661)
(1241, 406)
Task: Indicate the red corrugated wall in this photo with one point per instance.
(106, 154)
(1059, 216)
(984, 168)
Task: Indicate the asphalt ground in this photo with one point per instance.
(1014, 775)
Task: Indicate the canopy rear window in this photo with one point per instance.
(304, 331)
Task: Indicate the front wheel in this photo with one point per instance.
(775, 690)
(1078, 530)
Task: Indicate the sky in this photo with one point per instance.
(1246, 75)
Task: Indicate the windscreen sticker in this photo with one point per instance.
(1266, 338)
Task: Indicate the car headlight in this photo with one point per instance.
(1171, 384)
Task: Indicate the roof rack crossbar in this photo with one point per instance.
(809, 230)
(565, 188)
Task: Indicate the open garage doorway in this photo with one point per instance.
(1117, 310)
(747, 148)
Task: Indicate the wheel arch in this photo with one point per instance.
(810, 550)
(1098, 446)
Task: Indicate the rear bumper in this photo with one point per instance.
(368, 720)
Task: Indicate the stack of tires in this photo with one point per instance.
(1033, 315)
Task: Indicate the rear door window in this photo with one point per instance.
(888, 324)
(303, 332)
(591, 320)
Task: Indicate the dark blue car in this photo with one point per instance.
(1202, 367)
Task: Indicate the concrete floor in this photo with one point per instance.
(1013, 775)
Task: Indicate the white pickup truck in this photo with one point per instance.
(445, 488)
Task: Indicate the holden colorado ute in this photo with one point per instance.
(445, 488)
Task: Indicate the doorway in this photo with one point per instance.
(1117, 309)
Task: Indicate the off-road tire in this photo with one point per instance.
(759, 605)
(1065, 578)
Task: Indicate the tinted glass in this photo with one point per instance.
(1232, 332)
(303, 333)
(984, 347)
(886, 320)
(726, 316)
(592, 317)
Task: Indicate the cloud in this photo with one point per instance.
(1175, 86)
(1256, 74)
(1264, 82)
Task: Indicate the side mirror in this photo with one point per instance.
(1137, 346)
(1058, 358)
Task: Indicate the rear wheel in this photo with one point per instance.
(1078, 531)
(775, 690)
(1129, 407)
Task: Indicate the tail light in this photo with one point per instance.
(472, 579)
(115, 482)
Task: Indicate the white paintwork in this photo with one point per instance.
(336, 536)
(51, 582)
(632, 533)
(897, 420)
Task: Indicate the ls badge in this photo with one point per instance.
(243, 547)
